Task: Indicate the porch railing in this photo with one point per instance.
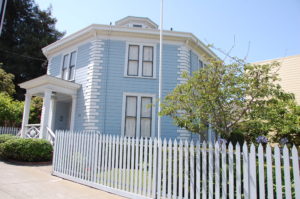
(51, 135)
(32, 131)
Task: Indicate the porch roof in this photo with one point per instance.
(47, 82)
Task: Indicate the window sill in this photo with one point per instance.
(139, 77)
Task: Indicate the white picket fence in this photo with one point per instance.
(147, 168)
(9, 130)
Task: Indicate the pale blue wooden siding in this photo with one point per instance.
(54, 66)
(114, 84)
(82, 62)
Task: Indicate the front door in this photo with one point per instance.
(62, 115)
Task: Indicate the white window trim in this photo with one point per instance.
(140, 65)
(139, 96)
(68, 63)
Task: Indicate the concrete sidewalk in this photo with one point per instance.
(35, 182)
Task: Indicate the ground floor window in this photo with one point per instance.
(138, 115)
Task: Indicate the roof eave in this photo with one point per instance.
(91, 31)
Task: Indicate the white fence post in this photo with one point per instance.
(261, 173)
(296, 171)
(269, 172)
(277, 157)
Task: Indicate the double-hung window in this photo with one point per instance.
(200, 64)
(68, 66)
(140, 61)
(138, 119)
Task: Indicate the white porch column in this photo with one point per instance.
(45, 114)
(26, 113)
(74, 100)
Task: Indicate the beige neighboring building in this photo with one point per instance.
(289, 73)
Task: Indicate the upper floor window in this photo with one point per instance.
(68, 66)
(140, 61)
(200, 64)
(138, 115)
(137, 25)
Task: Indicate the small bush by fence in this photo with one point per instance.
(9, 130)
(146, 168)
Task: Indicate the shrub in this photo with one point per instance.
(29, 150)
(236, 137)
(6, 137)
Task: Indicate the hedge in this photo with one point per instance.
(6, 137)
(28, 150)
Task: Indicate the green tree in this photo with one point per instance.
(10, 111)
(36, 110)
(26, 30)
(6, 82)
(231, 98)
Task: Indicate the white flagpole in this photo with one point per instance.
(2, 14)
(160, 69)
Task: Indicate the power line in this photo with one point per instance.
(25, 56)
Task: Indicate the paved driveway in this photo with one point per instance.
(35, 182)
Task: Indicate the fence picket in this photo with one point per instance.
(136, 165)
(128, 164)
(90, 160)
(224, 172)
(296, 171)
(154, 181)
(204, 173)
(140, 185)
(99, 159)
(159, 162)
(192, 173)
(170, 169)
(150, 176)
(76, 158)
(124, 163)
(217, 170)
(65, 152)
(198, 162)
(132, 165)
(210, 171)
(109, 161)
(113, 170)
(230, 170)
(287, 177)
(164, 171)
(277, 157)
(245, 171)
(81, 166)
(94, 157)
(145, 167)
(238, 187)
(106, 159)
(180, 180)
(186, 169)
(252, 177)
(121, 163)
(269, 172)
(261, 173)
(175, 174)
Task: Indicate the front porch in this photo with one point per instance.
(59, 106)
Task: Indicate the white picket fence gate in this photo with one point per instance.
(9, 130)
(147, 168)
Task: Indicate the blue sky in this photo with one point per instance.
(272, 27)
